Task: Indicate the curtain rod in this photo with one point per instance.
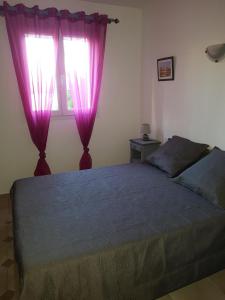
(59, 13)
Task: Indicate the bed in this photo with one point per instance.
(113, 233)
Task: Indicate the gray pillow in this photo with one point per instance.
(176, 155)
(207, 177)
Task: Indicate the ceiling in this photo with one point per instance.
(131, 3)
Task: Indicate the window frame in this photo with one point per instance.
(61, 84)
(60, 79)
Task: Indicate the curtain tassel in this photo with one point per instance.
(86, 161)
(42, 167)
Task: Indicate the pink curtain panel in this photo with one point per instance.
(35, 86)
(87, 38)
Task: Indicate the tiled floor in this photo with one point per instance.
(210, 288)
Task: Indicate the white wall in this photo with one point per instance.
(119, 111)
(193, 105)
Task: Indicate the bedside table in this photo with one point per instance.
(140, 149)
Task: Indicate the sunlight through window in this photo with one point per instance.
(77, 69)
(42, 71)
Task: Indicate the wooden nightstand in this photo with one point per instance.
(140, 149)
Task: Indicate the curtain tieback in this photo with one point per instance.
(42, 155)
(86, 149)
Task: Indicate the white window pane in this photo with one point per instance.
(77, 68)
(41, 66)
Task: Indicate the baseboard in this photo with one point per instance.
(4, 196)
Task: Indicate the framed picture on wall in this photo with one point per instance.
(165, 67)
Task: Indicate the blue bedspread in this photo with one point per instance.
(114, 233)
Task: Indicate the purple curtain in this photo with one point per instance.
(84, 42)
(32, 34)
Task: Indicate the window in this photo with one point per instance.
(41, 67)
(73, 63)
(76, 57)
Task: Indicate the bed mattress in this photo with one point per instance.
(120, 232)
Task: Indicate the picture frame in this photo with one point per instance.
(165, 68)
